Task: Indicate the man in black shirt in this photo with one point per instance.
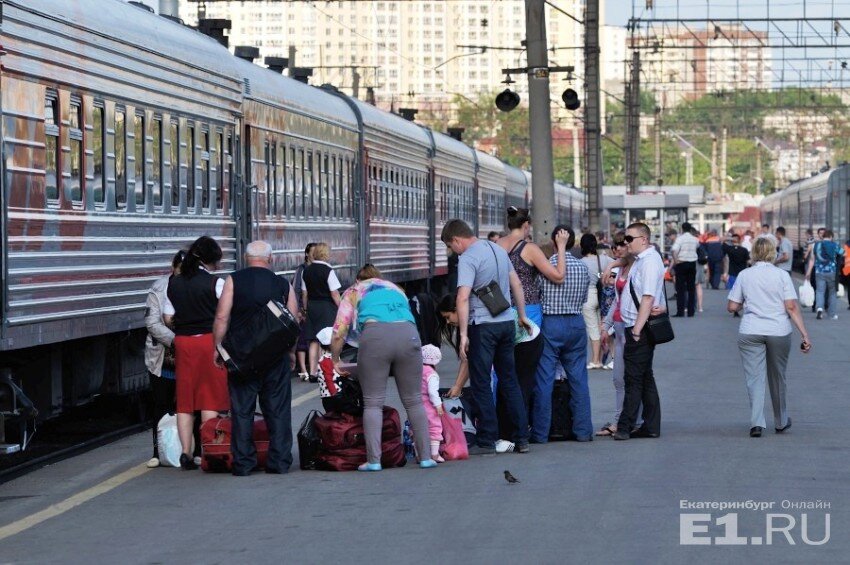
(736, 259)
(243, 292)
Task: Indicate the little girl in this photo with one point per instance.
(431, 356)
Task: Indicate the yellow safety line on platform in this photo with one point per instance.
(71, 502)
(300, 400)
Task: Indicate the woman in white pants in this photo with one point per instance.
(767, 297)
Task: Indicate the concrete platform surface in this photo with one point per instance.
(641, 501)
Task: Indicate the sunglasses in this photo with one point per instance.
(631, 238)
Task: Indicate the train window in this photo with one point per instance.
(326, 187)
(309, 190)
(290, 183)
(74, 190)
(51, 146)
(227, 174)
(139, 154)
(155, 180)
(191, 161)
(318, 204)
(120, 160)
(205, 170)
(280, 187)
(273, 174)
(98, 154)
(175, 166)
(267, 178)
(333, 174)
(300, 207)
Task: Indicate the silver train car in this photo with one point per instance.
(811, 203)
(126, 136)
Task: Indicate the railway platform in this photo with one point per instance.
(704, 492)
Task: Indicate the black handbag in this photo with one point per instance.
(251, 350)
(491, 294)
(659, 328)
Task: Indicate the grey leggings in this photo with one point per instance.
(765, 357)
(386, 348)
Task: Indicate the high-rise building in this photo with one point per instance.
(415, 53)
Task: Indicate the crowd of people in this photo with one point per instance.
(518, 315)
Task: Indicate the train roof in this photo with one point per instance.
(487, 161)
(382, 120)
(517, 176)
(120, 21)
(447, 144)
(270, 87)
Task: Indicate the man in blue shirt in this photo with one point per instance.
(564, 342)
(487, 339)
(824, 260)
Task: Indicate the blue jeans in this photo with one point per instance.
(492, 345)
(564, 340)
(825, 290)
(730, 282)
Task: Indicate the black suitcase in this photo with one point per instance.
(562, 417)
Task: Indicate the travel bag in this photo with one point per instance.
(454, 446)
(309, 441)
(342, 442)
(561, 428)
(216, 433)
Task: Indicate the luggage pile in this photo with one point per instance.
(335, 441)
(216, 456)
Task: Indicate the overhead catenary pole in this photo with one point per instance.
(723, 174)
(714, 164)
(592, 115)
(540, 122)
(632, 141)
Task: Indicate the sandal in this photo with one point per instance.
(607, 430)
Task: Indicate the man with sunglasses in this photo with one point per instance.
(643, 295)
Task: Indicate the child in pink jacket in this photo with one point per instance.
(431, 356)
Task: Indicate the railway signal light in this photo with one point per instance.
(570, 98)
(507, 100)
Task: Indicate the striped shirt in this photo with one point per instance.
(567, 297)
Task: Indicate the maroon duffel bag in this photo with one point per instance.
(343, 442)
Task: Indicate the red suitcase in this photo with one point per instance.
(216, 456)
(343, 443)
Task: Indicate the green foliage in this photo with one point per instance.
(742, 112)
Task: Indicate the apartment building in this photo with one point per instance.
(414, 53)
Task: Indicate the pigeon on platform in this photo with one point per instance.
(510, 478)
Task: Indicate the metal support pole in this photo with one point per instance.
(657, 134)
(723, 162)
(576, 157)
(632, 141)
(714, 164)
(592, 114)
(540, 122)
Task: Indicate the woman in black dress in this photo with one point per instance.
(321, 295)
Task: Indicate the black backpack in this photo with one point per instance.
(702, 256)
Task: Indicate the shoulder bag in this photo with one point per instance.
(598, 281)
(491, 294)
(658, 327)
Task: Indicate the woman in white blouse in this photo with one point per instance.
(766, 295)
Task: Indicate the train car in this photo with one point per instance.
(454, 190)
(491, 183)
(116, 151)
(810, 203)
(301, 147)
(517, 187)
(397, 171)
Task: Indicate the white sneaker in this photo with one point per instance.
(504, 446)
(591, 366)
(835, 317)
(152, 463)
(609, 366)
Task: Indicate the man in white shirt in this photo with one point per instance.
(765, 232)
(784, 251)
(643, 295)
(684, 267)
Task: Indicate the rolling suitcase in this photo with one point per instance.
(216, 456)
(562, 417)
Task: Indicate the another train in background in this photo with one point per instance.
(126, 135)
(819, 201)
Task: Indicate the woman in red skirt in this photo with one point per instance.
(190, 308)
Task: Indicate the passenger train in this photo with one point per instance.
(126, 135)
(810, 203)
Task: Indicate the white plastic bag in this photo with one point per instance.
(840, 291)
(807, 295)
(168, 441)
